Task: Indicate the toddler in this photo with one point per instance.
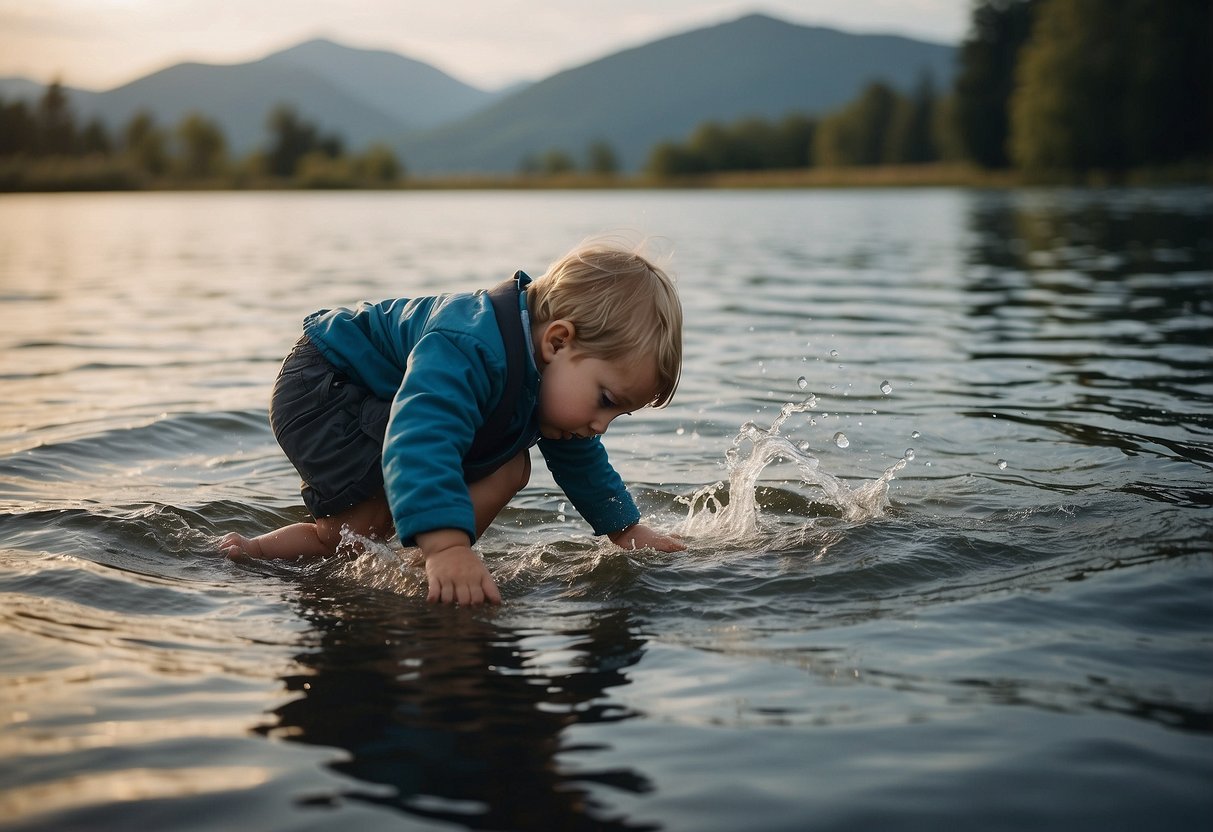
(416, 415)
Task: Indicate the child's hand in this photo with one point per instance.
(456, 574)
(641, 536)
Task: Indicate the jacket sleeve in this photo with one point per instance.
(435, 414)
(583, 471)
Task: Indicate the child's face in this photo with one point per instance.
(580, 395)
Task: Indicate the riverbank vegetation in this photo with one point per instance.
(1058, 91)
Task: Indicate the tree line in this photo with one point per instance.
(195, 150)
(1043, 86)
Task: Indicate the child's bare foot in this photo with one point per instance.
(234, 546)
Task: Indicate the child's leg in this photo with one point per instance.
(289, 542)
(371, 518)
(491, 494)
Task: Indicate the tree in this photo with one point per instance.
(601, 159)
(986, 78)
(203, 147)
(56, 127)
(945, 132)
(669, 159)
(145, 144)
(293, 138)
(749, 144)
(1114, 85)
(95, 139)
(911, 138)
(1170, 91)
(792, 142)
(378, 165)
(555, 162)
(857, 134)
(18, 130)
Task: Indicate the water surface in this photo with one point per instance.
(943, 459)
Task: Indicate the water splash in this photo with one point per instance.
(740, 520)
(719, 516)
(380, 565)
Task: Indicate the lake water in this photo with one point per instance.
(971, 586)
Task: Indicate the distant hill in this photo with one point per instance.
(240, 98)
(753, 66)
(362, 95)
(413, 93)
(756, 65)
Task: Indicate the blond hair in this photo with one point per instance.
(621, 305)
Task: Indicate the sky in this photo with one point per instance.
(101, 44)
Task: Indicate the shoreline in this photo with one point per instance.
(54, 176)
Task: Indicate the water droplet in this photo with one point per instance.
(909, 455)
(885, 387)
(1002, 464)
(680, 431)
(833, 353)
(840, 439)
(804, 446)
(915, 434)
(802, 382)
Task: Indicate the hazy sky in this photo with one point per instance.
(99, 44)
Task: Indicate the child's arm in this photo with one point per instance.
(455, 572)
(581, 468)
(640, 536)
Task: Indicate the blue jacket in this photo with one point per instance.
(440, 360)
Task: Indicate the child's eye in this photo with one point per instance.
(606, 401)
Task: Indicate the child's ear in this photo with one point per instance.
(556, 336)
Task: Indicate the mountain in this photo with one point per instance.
(240, 98)
(409, 91)
(362, 95)
(754, 66)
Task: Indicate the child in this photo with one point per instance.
(416, 415)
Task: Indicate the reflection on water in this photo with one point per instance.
(461, 719)
(943, 459)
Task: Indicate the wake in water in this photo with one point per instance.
(741, 522)
(718, 518)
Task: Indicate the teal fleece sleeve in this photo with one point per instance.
(583, 471)
(446, 389)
